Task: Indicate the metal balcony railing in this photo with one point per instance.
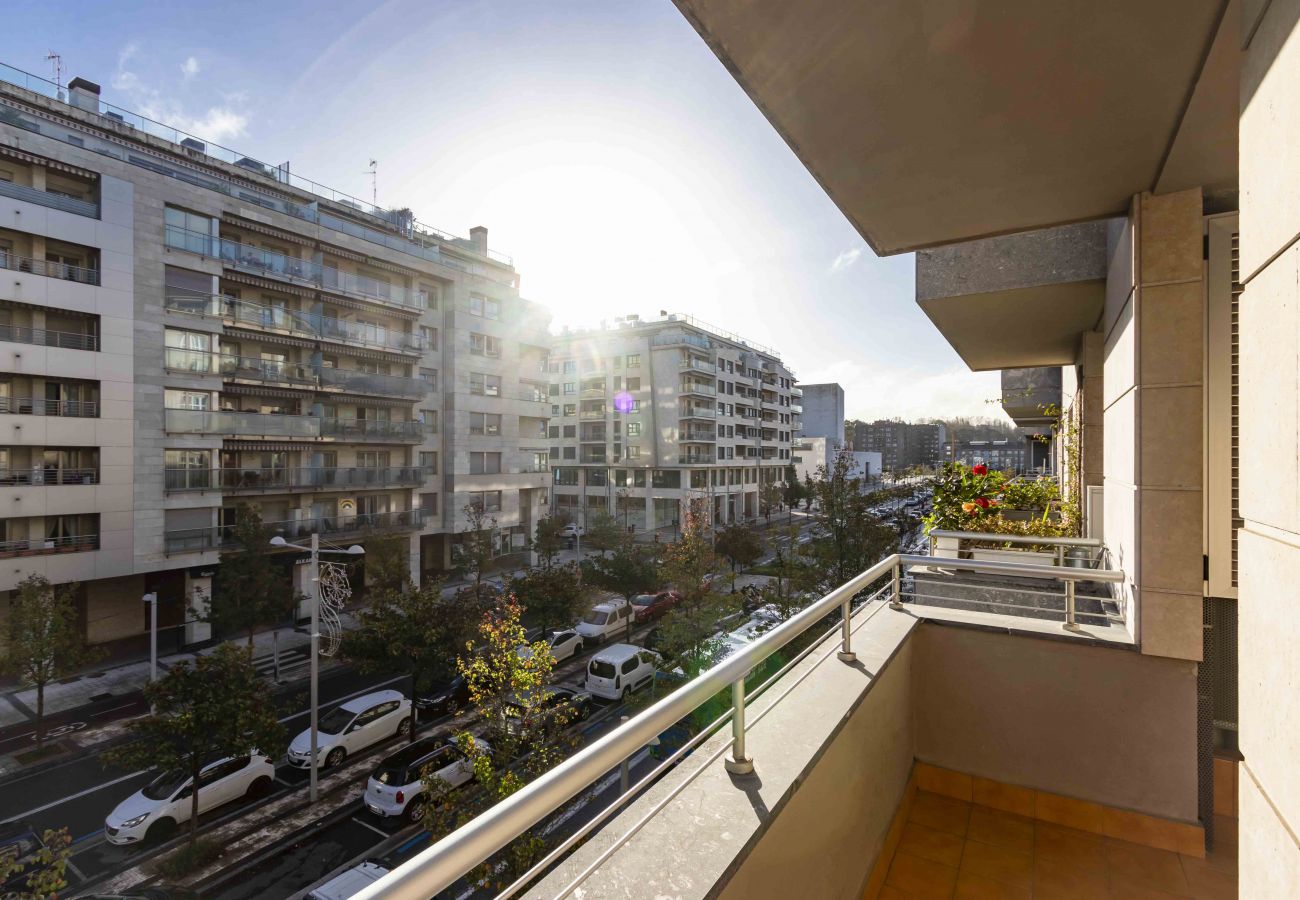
(251, 424)
(36, 406)
(194, 540)
(41, 337)
(255, 478)
(42, 475)
(1081, 553)
(50, 199)
(592, 414)
(46, 546)
(699, 435)
(594, 391)
(48, 268)
(879, 587)
(695, 459)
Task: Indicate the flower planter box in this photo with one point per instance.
(1025, 515)
(1024, 557)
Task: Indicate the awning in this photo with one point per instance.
(250, 225)
(335, 250)
(266, 337)
(268, 445)
(368, 352)
(268, 284)
(390, 267)
(249, 390)
(395, 309)
(34, 159)
(369, 401)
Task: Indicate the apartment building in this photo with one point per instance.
(184, 329)
(901, 445)
(823, 412)
(1004, 456)
(648, 416)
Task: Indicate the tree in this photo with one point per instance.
(476, 547)
(44, 869)
(740, 544)
(43, 642)
(215, 707)
(780, 592)
(770, 496)
(522, 739)
(851, 539)
(553, 596)
(547, 541)
(809, 495)
(602, 532)
(387, 565)
(690, 632)
(250, 591)
(630, 569)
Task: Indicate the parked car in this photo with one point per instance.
(616, 671)
(445, 700)
(563, 644)
(20, 842)
(573, 704)
(353, 726)
(396, 788)
(652, 606)
(604, 620)
(167, 801)
(351, 882)
(572, 531)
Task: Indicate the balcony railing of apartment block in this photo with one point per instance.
(46, 546)
(204, 421)
(253, 368)
(695, 459)
(358, 382)
(41, 337)
(672, 340)
(592, 414)
(375, 429)
(883, 586)
(37, 406)
(691, 363)
(699, 387)
(195, 540)
(253, 478)
(594, 392)
(50, 199)
(48, 268)
(41, 475)
(271, 264)
(698, 434)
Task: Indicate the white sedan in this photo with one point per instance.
(352, 727)
(564, 644)
(166, 802)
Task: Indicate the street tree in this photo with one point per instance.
(781, 592)
(740, 545)
(548, 543)
(250, 589)
(690, 633)
(770, 496)
(629, 569)
(42, 874)
(42, 640)
(602, 532)
(850, 539)
(809, 494)
(476, 547)
(552, 596)
(215, 707)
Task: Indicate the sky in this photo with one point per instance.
(602, 144)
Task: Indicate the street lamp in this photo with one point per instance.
(315, 550)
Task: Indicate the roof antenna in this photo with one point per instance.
(373, 172)
(56, 60)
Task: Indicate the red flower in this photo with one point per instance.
(982, 502)
(979, 470)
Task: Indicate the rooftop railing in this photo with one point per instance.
(48, 268)
(50, 199)
(447, 861)
(43, 337)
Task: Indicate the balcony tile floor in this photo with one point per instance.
(954, 849)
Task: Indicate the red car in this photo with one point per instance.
(652, 606)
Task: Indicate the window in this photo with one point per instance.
(484, 463)
(633, 360)
(485, 423)
(429, 461)
(633, 429)
(175, 217)
(569, 387)
(699, 478)
(570, 367)
(431, 294)
(484, 345)
(633, 451)
(597, 478)
(487, 501)
(638, 478)
(553, 431)
(178, 399)
(555, 409)
(430, 378)
(570, 409)
(555, 453)
(570, 431)
(430, 419)
(555, 390)
(484, 385)
(566, 475)
(430, 337)
(485, 307)
(666, 478)
(634, 384)
(570, 452)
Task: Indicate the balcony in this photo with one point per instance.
(253, 368)
(375, 430)
(49, 546)
(41, 475)
(50, 199)
(35, 406)
(253, 478)
(48, 268)
(697, 412)
(357, 382)
(690, 363)
(698, 435)
(695, 459)
(240, 424)
(198, 540)
(594, 392)
(592, 414)
(698, 388)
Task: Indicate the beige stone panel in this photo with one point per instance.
(1119, 438)
(1270, 393)
(1171, 332)
(1268, 863)
(1171, 549)
(1119, 270)
(1170, 236)
(1119, 369)
(1171, 624)
(1172, 442)
(1268, 631)
(1269, 127)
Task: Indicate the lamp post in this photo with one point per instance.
(314, 576)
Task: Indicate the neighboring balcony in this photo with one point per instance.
(357, 382)
(43, 337)
(36, 406)
(695, 459)
(48, 535)
(592, 414)
(267, 371)
(699, 434)
(197, 540)
(253, 479)
(698, 365)
(50, 199)
(43, 476)
(251, 424)
(697, 412)
(48, 268)
(698, 388)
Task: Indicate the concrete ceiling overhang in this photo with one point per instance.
(1019, 328)
(942, 121)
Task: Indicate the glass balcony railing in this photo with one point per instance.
(48, 475)
(372, 383)
(48, 268)
(35, 406)
(375, 430)
(41, 337)
(256, 478)
(252, 368)
(698, 365)
(196, 540)
(46, 546)
(698, 412)
(592, 414)
(50, 199)
(249, 424)
(694, 459)
(696, 434)
(699, 387)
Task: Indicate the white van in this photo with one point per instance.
(608, 618)
(341, 887)
(615, 672)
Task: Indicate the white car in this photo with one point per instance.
(564, 644)
(619, 670)
(167, 801)
(351, 727)
(604, 620)
(351, 882)
(572, 531)
(395, 787)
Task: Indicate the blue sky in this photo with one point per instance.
(601, 143)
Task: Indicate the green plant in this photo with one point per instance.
(963, 497)
(1029, 493)
(44, 869)
(190, 858)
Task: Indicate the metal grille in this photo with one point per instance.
(1235, 453)
(1216, 708)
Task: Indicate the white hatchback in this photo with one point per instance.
(563, 644)
(352, 727)
(396, 787)
(166, 802)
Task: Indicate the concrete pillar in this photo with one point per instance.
(198, 597)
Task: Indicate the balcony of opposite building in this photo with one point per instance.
(48, 535)
(48, 466)
(274, 371)
(30, 254)
(30, 178)
(330, 527)
(254, 479)
(239, 423)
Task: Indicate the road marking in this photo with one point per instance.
(423, 835)
(285, 783)
(375, 829)
(91, 790)
(75, 870)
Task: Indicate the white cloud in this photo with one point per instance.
(846, 259)
(879, 393)
(219, 123)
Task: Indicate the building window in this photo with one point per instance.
(597, 478)
(569, 387)
(570, 367)
(553, 431)
(555, 453)
(484, 345)
(634, 384)
(429, 461)
(484, 463)
(175, 217)
(633, 451)
(565, 475)
(485, 307)
(429, 504)
(699, 478)
(430, 419)
(484, 385)
(487, 501)
(666, 478)
(570, 431)
(570, 452)
(633, 360)
(179, 399)
(570, 409)
(430, 378)
(633, 429)
(485, 423)
(430, 337)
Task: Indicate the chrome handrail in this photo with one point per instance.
(441, 865)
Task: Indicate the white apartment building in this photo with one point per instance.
(650, 416)
(184, 329)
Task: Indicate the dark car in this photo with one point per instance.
(445, 700)
(652, 606)
(20, 843)
(574, 705)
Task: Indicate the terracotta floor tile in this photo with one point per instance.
(932, 844)
(1205, 882)
(921, 878)
(1132, 865)
(942, 813)
(1085, 852)
(1137, 892)
(1062, 880)
(1002, 863)
(977, 887)
(990, 826)
(892, 893)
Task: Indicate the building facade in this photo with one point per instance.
(186, 330)
(1002, 456)
(901, 445)
(650, 416)
(823, 412)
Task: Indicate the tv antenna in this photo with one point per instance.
(373, 172)
(56, 61)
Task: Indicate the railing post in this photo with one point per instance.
(1070, 623)
(846, 653)
(739, 763)
(896, 599)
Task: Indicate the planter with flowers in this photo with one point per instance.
(976, 499)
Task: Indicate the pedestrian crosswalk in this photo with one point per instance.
(291, 661)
